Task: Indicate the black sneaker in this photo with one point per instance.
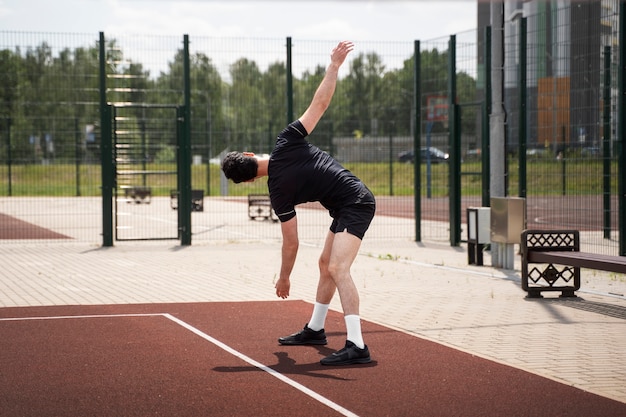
(348, 355)
(305, 336)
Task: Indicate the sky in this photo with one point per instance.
(373, 20)
(312, 20)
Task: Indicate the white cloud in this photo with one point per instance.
(4, 10)
(325, 20)
(304, 20)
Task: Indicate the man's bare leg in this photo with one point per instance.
(345, 248)
(326, 285)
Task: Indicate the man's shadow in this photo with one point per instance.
(288, 366)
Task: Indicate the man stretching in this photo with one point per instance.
(299, 172)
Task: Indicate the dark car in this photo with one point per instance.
(590, 151)
(436, 155)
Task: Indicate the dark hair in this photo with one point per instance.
(239, 167)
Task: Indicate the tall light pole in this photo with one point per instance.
(496, 120)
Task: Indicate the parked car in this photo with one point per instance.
(436, 155)
(538, 153)
(591, 151)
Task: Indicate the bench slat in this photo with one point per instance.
(580, 260)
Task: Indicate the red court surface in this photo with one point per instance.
(13, 228)
(223, 359)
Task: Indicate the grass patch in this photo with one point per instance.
(549, 177)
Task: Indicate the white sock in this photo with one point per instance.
(353, 326)
(318, 317)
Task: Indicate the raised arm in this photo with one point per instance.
(324, 93)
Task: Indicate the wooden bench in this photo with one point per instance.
(137, 194)
(260, 206)
(197, 200)
(559, 252)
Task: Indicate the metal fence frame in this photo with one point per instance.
(468, 56)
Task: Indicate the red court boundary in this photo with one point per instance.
(13, 228)
(137, 360)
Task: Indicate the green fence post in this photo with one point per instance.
(106, 150)
(77, 155)
(184, 168)
(621, 129)
(208, 146)
(417, 138)
(522, 110)
(455, 147)
(392, 125)
(485, 137)
(563, 176)
(606, 144)
(9, 158)
(144, 151)
(180, 121)
(289, 83)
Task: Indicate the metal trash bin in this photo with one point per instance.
(478, 233)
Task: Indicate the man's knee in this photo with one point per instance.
(323, 263)
(337, 270)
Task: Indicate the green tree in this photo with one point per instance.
(10, 73)
(274, 90)
(206, 102)
(11, 68)
(207, 120)
(364, 89)
(249, 117)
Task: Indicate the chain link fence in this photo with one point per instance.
(50, 171)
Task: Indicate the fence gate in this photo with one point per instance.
(145, 139)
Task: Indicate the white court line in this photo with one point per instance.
(223, 346)
(265, 368)
(89, 316)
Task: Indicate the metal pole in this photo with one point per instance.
(9, 157)
(184, 201)
(455, 148)
(497, 154)
(77, 155)
(144, 151)
(417, 172)
(485, 146)
(497, 119)
(290, 116)
(429, 166)
(621, 130)
(391, 158)
(209, 146)
(606, 144)
(522, 110)
(106, 150)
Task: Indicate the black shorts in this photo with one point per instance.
(355, 218)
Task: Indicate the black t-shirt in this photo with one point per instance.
(300, 172)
